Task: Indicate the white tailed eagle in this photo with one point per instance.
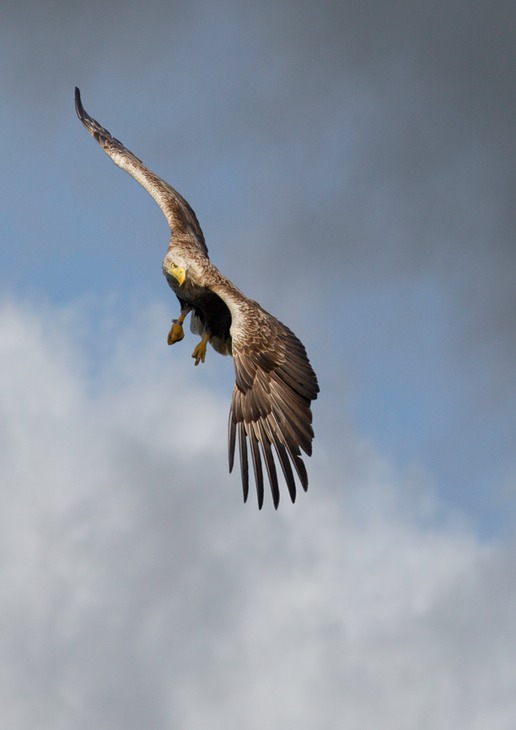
(275, 382)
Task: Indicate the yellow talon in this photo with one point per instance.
(200, 350)
(176, 333)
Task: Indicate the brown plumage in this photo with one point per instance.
(270, 409)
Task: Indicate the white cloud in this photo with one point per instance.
(137, 591)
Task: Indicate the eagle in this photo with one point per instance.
(270, 415)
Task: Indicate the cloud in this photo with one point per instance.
(137, 590)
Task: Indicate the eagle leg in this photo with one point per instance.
(200, 350)
(176, 333)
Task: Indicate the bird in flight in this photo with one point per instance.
(270, 414)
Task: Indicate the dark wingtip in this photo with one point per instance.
(78, 104)
(92, 126)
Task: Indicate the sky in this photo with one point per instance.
(353, 168)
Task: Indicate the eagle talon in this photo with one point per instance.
(199, 354)
(176, 333)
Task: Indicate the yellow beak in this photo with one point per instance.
(178, 273)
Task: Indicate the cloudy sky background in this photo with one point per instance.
(352, 165)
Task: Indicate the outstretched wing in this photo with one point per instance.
(270, 408)
(181, 218)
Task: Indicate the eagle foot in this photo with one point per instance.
(176, 333)
(199, 354)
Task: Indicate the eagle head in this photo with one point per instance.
(175, 266)
(178, 272)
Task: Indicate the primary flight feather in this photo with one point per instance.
(270, 414)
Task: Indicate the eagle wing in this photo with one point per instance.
(270, 409)
(180, 217)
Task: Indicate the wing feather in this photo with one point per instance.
(286, 468)
(244, 464)
(232, 429)
(257, 464)
(265, 443)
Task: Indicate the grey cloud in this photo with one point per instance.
(137, 590)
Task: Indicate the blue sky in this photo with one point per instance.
(352, 167)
